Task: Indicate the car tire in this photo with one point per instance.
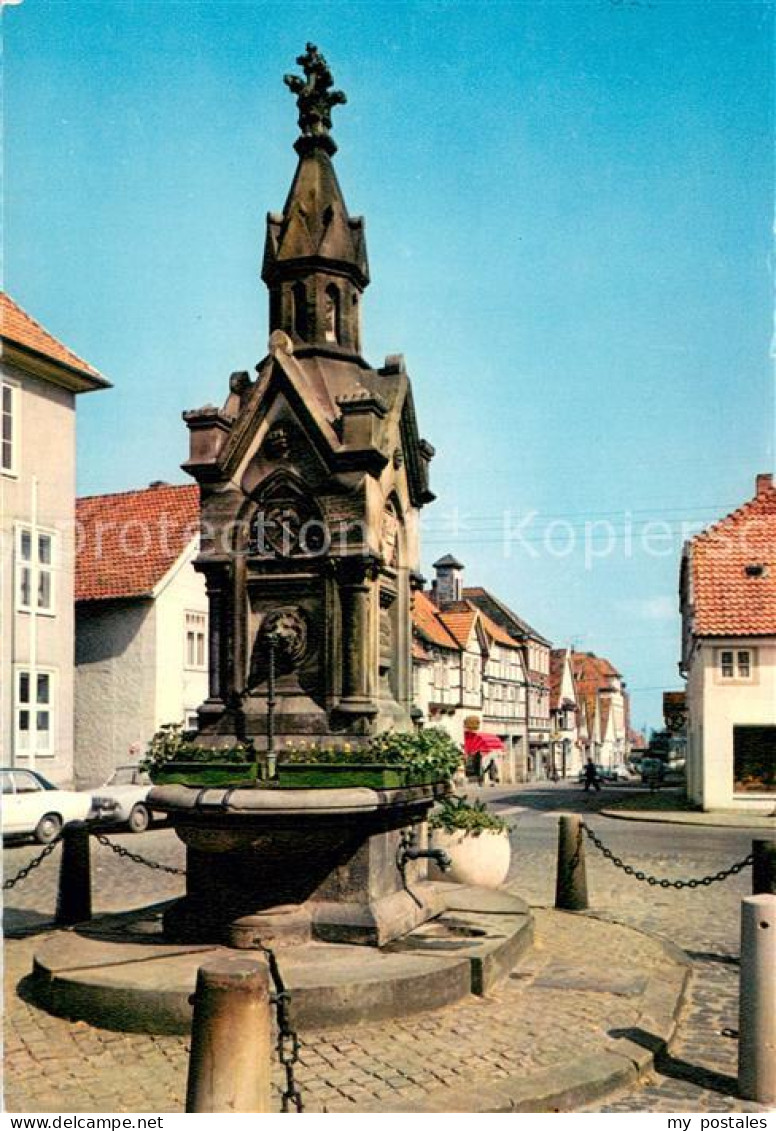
(48, 828)
(139, 819)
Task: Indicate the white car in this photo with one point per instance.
(123, 798)
(33, 806)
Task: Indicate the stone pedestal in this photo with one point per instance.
(282, 867)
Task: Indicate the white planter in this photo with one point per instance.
(482, 860)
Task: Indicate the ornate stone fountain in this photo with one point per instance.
(311, 475)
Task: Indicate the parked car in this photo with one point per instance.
(621, 772)
(123, 798)
(32, 806)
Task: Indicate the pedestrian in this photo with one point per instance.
(591, 776)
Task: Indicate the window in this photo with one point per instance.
(9, 429)
(196, 624)
(735, 664)
(332, 314)
(441, 676)
(299, 295)
(34, 711)
(35, 551)
(754, 759)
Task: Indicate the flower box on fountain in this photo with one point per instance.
(387, 761)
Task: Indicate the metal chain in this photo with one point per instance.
(288, 1043)
(23, 873)
(654, 881)
(136, 858)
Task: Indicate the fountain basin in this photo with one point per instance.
(289, 866)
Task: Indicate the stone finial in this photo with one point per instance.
(280, 342)
(314, 96)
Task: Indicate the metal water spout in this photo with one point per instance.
(408, 850)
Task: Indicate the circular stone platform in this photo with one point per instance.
(119, 973)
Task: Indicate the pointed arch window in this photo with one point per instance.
(299, 295)
(331, 308)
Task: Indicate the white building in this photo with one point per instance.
(40, 381)
(601, 693)
(728, 604)
(141, 623)
(568, 733)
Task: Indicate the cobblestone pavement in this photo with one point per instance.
(52, 1064)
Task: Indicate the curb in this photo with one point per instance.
(585, 1079)
(698, 820)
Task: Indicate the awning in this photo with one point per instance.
(475, 742)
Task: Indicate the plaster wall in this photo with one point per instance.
(721, 705)
(114, 685)
(46, 453)
(180, 689)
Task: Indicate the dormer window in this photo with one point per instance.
(755, 569)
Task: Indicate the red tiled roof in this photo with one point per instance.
(425, 620)
(18, 326)
(459, 619)
(733, 569)
(497, 633)
(497, 610)
(591, 673)
(674, 700)
(127, 542)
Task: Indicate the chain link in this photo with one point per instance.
(23, 873)
(655, 881)
(136, 858)
(288, 1044)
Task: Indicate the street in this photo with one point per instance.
(698, 1075)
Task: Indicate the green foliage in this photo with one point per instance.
(430, 752)
(170, 744)
(458, 814)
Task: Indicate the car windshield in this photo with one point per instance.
(128, 775)
(44, 781)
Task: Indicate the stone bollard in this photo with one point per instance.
(74, 897)
(229, 1063)
(764, 867)
(571, 879)
(757, 1000)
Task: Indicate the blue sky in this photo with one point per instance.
(569, 210)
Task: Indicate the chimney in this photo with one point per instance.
(763, 484)
(448, 586)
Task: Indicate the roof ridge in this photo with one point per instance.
(137, 491)
(753, 504)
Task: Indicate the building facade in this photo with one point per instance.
(728, 605)
(536, 663)
(469, 671)
(568, 735)
(141, 624)
(601, 692)
(41, 379)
